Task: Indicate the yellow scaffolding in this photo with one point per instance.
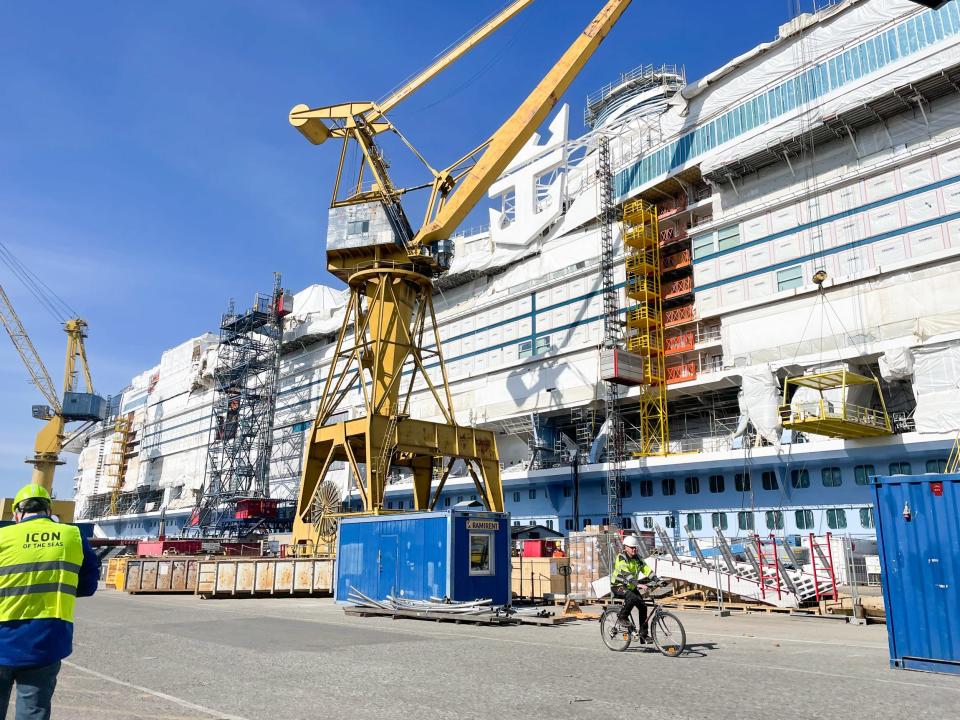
(641, 239)
(834, 416)
(117, 467)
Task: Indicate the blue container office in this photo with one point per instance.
(458, 554)
(918, 534)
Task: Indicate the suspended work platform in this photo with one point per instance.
(831, 412)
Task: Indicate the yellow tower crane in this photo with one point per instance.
(74, 406)
(389, 335)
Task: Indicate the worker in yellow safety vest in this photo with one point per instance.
(44, 567)
(629, 572)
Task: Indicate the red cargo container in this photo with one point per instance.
(539, 548)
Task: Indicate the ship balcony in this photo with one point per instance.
(676, 261)
(677, 316)
(681, 373)
(677, 288)
(670, 236)
(671, 207)
(684, 342)
(643, 344)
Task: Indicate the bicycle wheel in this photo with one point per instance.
(615, 639)
(669, 636)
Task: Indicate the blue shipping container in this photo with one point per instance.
(918, 533)
(458, 554)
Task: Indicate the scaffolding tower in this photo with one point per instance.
(641, 240)
(612, 332)
(244, 402)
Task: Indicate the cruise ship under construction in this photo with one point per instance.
(773, 250)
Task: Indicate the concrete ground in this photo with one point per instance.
(177, 657)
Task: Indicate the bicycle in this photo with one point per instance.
(664, 628)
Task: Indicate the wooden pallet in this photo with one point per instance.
(472, 618)
(738, 607)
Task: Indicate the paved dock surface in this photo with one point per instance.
(178, 657)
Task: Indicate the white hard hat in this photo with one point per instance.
(631, 541)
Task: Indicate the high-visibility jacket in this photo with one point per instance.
(40, 564)
(627, 572)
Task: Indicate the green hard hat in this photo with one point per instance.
(30, 491)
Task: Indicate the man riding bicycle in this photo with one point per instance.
(629, 572)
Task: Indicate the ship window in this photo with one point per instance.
(716, 483)
(567, 490)
(668, 486)
(768, 479)
(646, 488)
(459, 499)
(745, 520)
(516, 522)
(670, 521)
(937, 466)
(626, 489)
(703, 245)
(627, 523)
(866, 517)
(836, 518)
(525, 349)
(863, 473)
(694, 521)
(774, 520)
(648, 522)
(691, 485)
(830, 477)
(481, 559)
(446, 502)
(516, 497)
(741, 482)
(550, 524)
(900, 468)
(473, 497)
(390, 505)
(358, 227)
(728, 237)
(543, 344)
(586, 523)
(400, 505)
(718, 520)
(804, 519)
(789, 278)
(605, 521)
(799, 479)
(533, 494)
(568, 523)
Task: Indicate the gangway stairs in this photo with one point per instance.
(761, 577)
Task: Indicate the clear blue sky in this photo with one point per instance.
(148, 172)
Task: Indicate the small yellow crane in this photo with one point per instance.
(74, 405)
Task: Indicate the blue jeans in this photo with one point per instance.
(34, 690)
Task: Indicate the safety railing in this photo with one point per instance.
(676, 261)
(828, 410)
(679, 315)
(683, 342)
(677, 288)
(681, 373)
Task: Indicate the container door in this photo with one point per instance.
(387, 566)
(917, 524)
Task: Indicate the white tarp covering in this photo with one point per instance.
(760, 401)
(936, 372)
(896, 364)
(317, 310)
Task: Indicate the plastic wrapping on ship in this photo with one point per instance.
(936, 386)
(759, 401)
(896, 364)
